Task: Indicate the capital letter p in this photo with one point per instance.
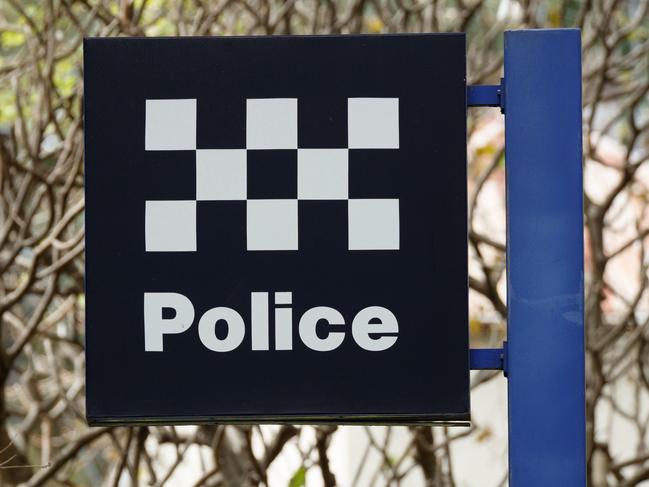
(155, 326)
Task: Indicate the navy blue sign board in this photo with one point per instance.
(276, 229)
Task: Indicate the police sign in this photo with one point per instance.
(276, 229)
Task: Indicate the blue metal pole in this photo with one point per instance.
(545, 353)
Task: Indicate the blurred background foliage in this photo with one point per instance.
(43, 436)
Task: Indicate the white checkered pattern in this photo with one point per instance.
(272, 224)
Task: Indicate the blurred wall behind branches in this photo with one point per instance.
(43, 436)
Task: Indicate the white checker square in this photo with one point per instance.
(374, 224)
(272, 224)
(373, 123)
(221, 174)
(170, 125)
(322, 174)
(170, 226)
(271, 123)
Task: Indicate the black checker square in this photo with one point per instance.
(323, 227)
(272, 174)
(158, 167)
(224, 228)
(220, 122)
(323, 122)
(276, 230)
(376, 173)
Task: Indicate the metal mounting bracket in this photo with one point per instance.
(486, 95)
(489, 358)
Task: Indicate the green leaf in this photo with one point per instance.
(10, 39)
(65, 77)
(298, 479)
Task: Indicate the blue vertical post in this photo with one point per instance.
(545, 349)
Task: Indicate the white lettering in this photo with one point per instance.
(259, 311)
(308, 324)
(207, 329)
(374, 328)
(362, 328)
(155, 326)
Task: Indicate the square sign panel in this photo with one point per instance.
(276, 229)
